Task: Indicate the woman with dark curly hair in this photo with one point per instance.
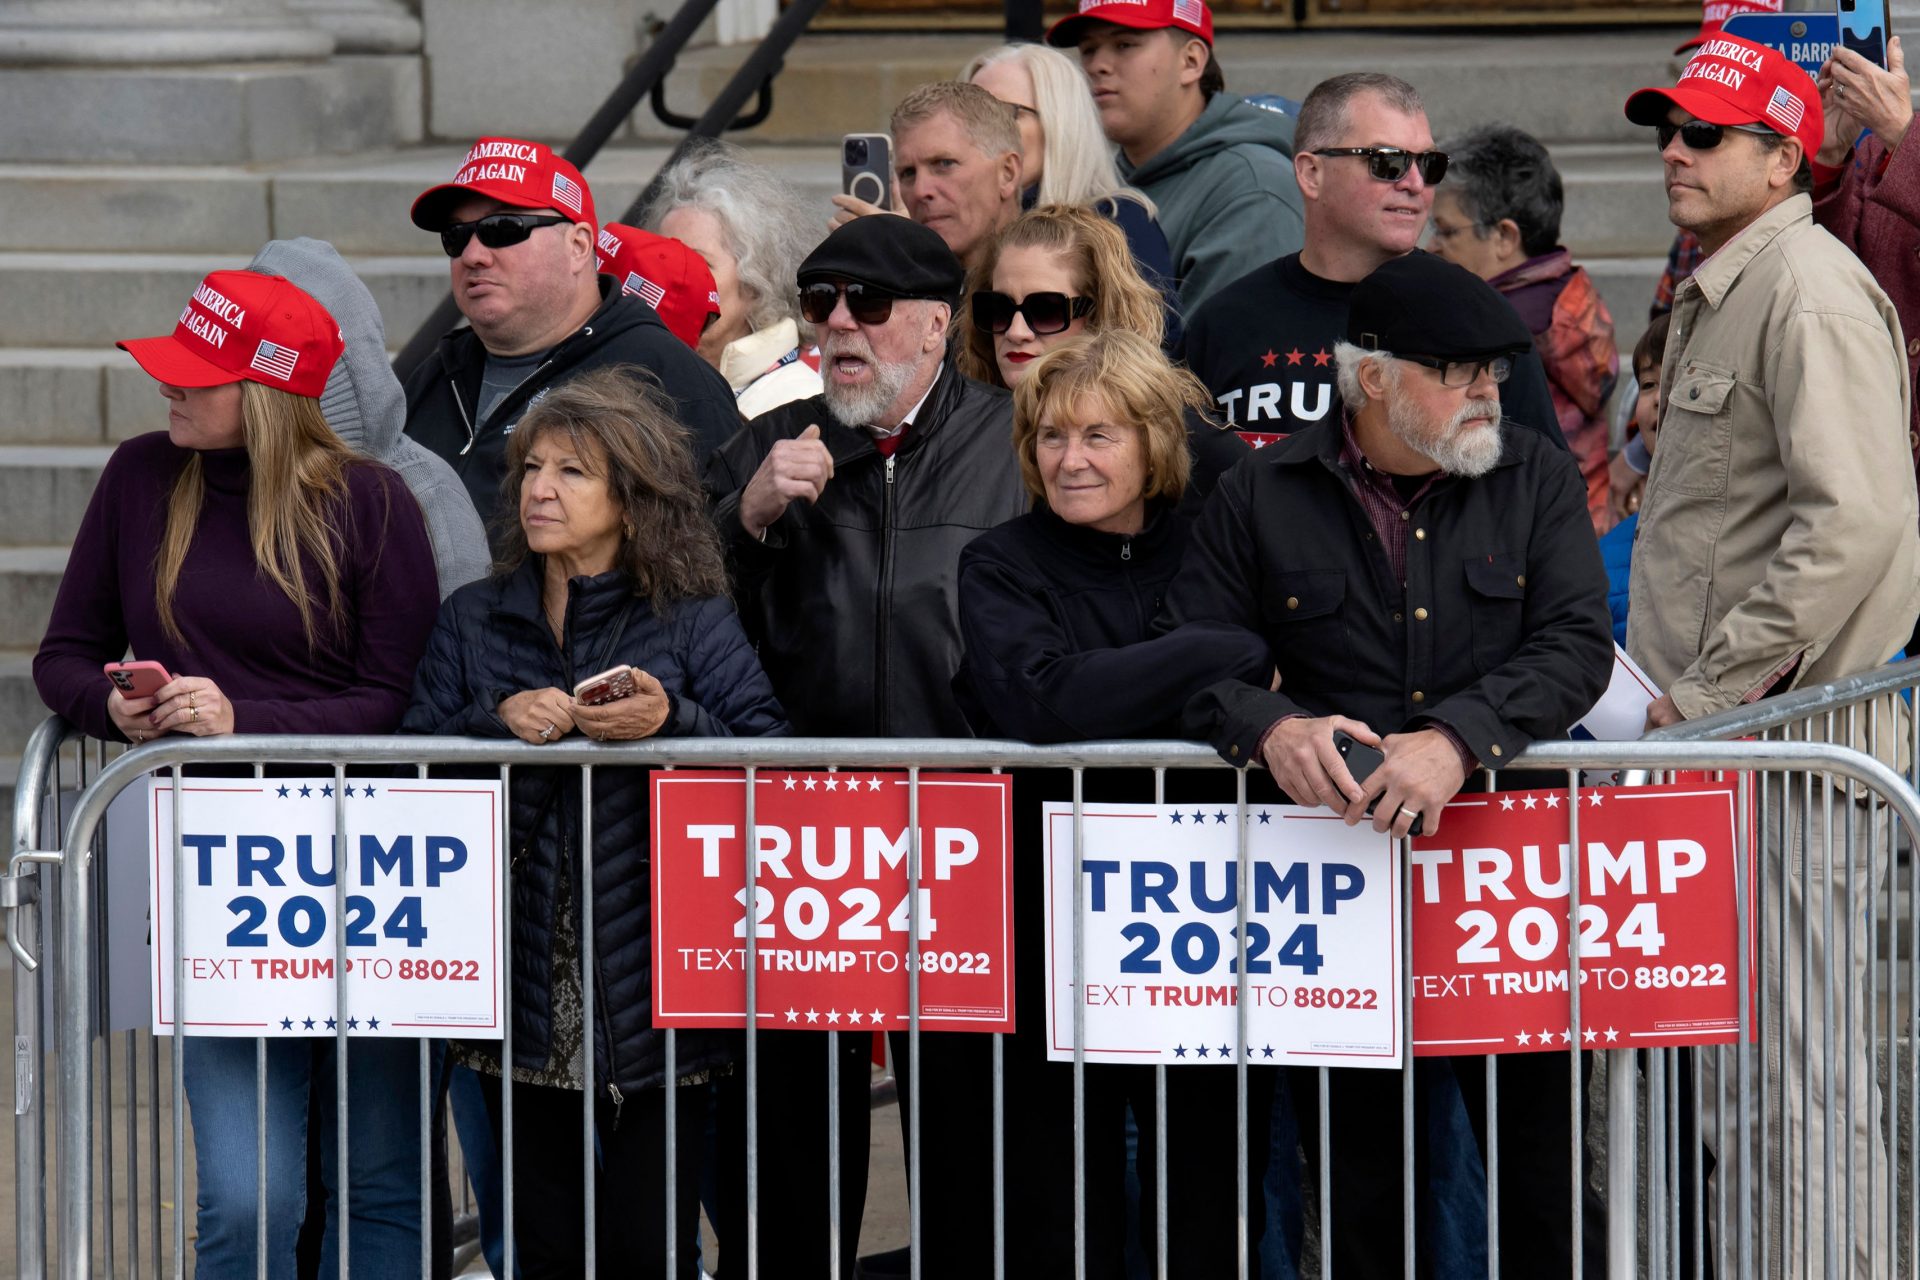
(613, 570)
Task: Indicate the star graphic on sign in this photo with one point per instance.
(874, 1017)
(789, 781)
(1224, 1051)
(1566, 1037)
(833, 1015)
(833, 783)
(1589, 1035)
(306, 791)
(368, 793)
(1546, 1037)
(1266, 361)
(286, 1024)
(1523, 1038)
(353, 1024)
(1179, 1051)
(373, 1024)
(854, 1017)
(1612, 1035)
(307, 1023)
(1264, 816)
(1593, 798)
(1323, 357)
(810, 784)
(1530, 802)
(327, 790)
(1266, 1051)
(331, 1024)
(1261, 444)
(1553, 801)
(283, 793)
(812, 1016)
(793, 1015)
(1295, 356)
(873, 783)
(1506, 802)
(1177, 817)
(1220, 817)
(1199, 816)
(1201, 1050)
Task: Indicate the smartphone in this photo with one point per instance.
(866, 168)
(1863, 28)
(137, 679)
(610, 685)
(1361, 761)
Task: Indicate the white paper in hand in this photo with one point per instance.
(1621, 713)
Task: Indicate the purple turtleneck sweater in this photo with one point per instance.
(240, 630)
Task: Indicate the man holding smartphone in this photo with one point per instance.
(1427, 580)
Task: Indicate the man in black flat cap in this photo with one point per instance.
(844, 516)
(1428, 582)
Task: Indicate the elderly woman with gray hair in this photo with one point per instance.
(752, 229)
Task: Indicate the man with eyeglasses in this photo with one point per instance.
(517, 223)
(1427, 582)
(844, 517)
(1367, 167)
(1777, 549)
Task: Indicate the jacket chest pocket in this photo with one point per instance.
(1306, 620)
(1694, 449)
(1496, 601)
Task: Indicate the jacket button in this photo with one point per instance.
(1420, 534)
(1398, 618)
(1520, 581)
(1293, 602)
(1404, 516)
(1420, 615)
(1693, 393)
(1233, 751)
(1419, 696)
(1495, 748)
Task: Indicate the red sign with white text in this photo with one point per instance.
(832, 911)
(1659, 950)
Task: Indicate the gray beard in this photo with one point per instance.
(1455, 451)
(862, 406)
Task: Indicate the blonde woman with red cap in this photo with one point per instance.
(286, 586)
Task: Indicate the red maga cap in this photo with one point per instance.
(663, 273)
(525, 175)
(1730, 81)
(1192, 16)
(242, 326)
(1714, 15)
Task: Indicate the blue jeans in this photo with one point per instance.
(383, 1122)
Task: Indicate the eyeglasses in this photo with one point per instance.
(1464, 373)
(1698, 134)
(1390, 164)
(866, 305)
(496, 230)
(1045, 312)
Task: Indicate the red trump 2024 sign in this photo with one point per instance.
(831, 914)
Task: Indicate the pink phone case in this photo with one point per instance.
(610, 685)
(137, 679)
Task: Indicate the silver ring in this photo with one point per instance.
(544, 733)
(1411, 813)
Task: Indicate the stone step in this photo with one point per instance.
(20, 708)
(29, 580)
(44, 491)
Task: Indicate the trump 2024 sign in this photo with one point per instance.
(830, 910)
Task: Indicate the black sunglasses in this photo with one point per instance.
(865, 304)
(1045, 312)
(496, 230)
(1464, 373)
(1698, 134)
(1390, 164)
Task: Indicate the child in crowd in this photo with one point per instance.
(1616, 546)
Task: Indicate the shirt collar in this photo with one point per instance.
(906, 419)
(1715, 276)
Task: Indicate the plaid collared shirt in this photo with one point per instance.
(1386, 510)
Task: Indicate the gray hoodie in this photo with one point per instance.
(364, 404)
(1227, 195)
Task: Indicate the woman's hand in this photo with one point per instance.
(539, 715)
(1856, 95)
(628, 719)
(129, 716)
(190, 704)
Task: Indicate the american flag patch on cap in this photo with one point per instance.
(1188, 11)
(1785, 110)
(650, 293)
(567, 192)
(271, 357)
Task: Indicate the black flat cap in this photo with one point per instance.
(886, 251)
(1425, 306)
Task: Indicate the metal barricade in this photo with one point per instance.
(1771, 762)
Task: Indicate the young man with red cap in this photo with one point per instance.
(663, 273)
(1219, 168)
(517, 222)
(1778, 548)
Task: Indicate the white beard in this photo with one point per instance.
(1458, 451)
(861, 406)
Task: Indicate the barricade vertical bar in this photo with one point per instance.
(1831, 1213)
(1493, 1135)
(1243, 862)
(1576, 1130)
(1872, 1001)
(133, 1157)
(1656, 1160)
(260, 1147)
(1675, 1124)
(179, 1041)
(753, 1031)
(428, 1099)
(1326, 1175)
(1699, 1168)
(1623, 1167)
(1806, 1000)
(1160, 1118)
(1759, 914)
(1079, 1032)
(834, 1155)
(1000, 1147)
(508, 1258)
(672, 1172)
(153, 1149)
(1741, 886)
(916, 1152)
(588, 1090)
(1913, 995)
(106, 1087)
(1848, 994)
(1408, 1192)
(342, 872)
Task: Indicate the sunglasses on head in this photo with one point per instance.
(496, 230)
(1698, 134)
(1390, 164)
(1045, 312)
(865, 304)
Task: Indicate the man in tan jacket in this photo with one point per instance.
(1777, 547)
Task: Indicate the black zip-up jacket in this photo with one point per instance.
(1500, 632)
(853, 600)
(492, 641)
(443, 395)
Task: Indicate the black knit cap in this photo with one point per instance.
(889, 252)
(1420, 305)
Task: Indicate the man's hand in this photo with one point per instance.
(796, 468)
(1303, 760)
(847, 208)
(639, 715)
(538, 715)
(1625, 485)
(1661, 712)
(1423, 771)
(1856, 95)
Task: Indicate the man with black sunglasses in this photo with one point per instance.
(1777, 549)
(1366, 165)
(517, 224)
(844, 517)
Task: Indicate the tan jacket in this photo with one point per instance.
(1779, 516)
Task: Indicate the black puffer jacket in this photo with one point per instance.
(491, 642)
(443, 395)
(853, 599)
